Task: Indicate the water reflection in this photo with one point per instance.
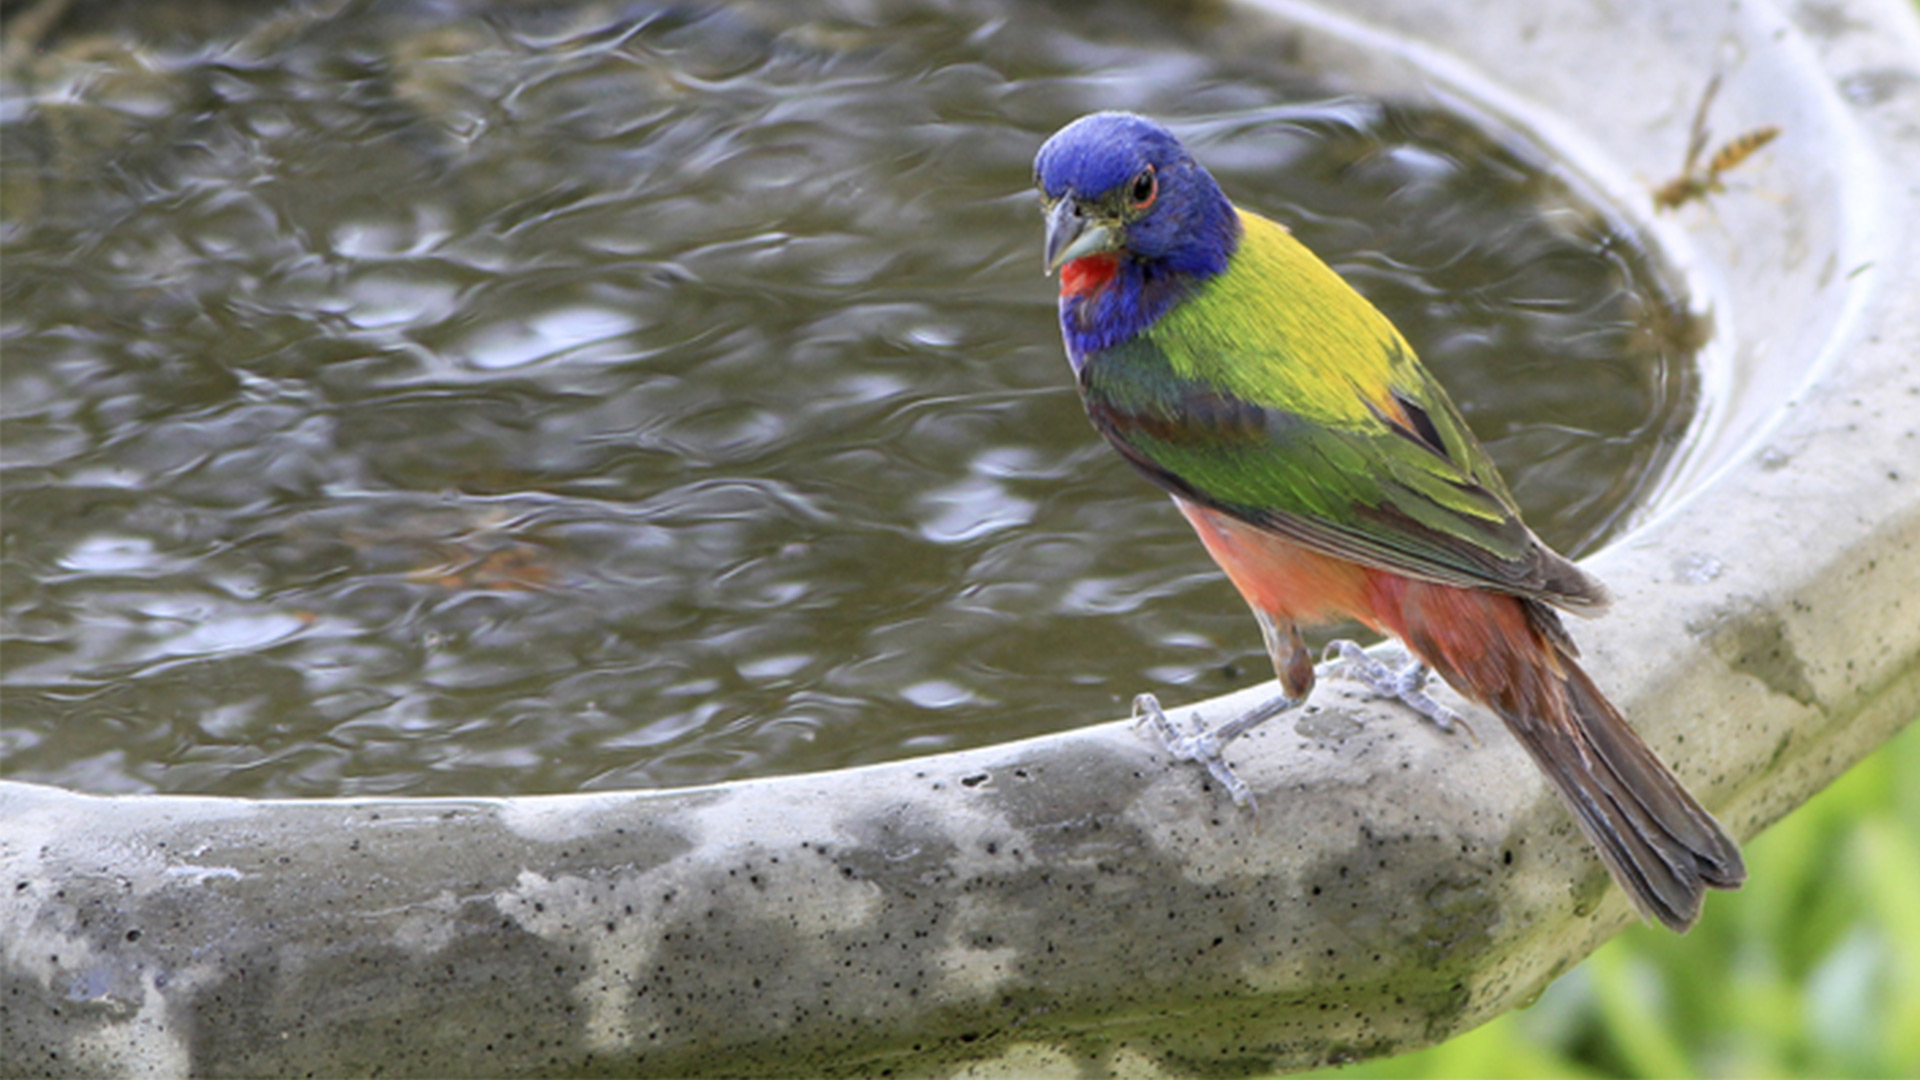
(606, 396)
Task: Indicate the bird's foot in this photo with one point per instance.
(1204, 745)
(1347, 660)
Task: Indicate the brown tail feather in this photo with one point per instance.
(1663, 848)
(1512, 654)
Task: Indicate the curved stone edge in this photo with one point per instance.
(1037, 906)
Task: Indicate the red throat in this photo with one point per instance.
(1088, 273)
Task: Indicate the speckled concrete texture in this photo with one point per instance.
(1075, 891)
(1075, 904)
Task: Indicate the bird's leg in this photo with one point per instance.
(1292, 664)
(1347, 660)
(1204, 745)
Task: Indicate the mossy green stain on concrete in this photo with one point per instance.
(1753, 640)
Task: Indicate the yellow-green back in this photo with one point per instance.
(1276, 393)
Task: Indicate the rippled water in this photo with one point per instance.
(627, 395)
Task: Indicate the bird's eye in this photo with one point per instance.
(1146, 187)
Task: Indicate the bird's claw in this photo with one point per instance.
(1204, 745)
(1195, 744)
(1347, 660)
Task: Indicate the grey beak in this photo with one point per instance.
(1071, 234)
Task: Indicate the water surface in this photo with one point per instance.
(629, 395)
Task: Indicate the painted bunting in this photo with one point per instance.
(1331, 478)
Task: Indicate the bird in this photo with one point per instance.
(1332, 479)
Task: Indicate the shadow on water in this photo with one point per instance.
(631, 395)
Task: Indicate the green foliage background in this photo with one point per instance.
(1813, 969)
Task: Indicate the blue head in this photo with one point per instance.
(1133, 222)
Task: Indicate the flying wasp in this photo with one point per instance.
(1694, 183)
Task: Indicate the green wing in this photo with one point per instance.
(1278, 395)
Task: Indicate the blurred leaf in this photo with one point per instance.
(1633, 1001)
(1887, 870)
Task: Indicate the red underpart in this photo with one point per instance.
(1088, 273)
(1287, 581)
(1479, 640)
